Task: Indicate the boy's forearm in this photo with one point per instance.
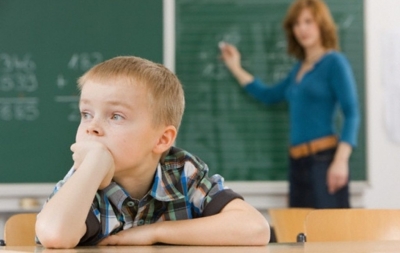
(61, 223)
(240, 225)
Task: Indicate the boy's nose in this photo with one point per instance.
(94, 129)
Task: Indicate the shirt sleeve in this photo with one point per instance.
(93, 230)
(207, 194)
(219, 201)
(344, 87)
(102, 219)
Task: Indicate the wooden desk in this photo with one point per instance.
(320, 247)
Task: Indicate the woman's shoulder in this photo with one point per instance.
(336, 60)
(334, 56)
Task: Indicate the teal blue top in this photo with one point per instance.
(314, 100)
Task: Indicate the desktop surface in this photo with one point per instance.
(310, 247)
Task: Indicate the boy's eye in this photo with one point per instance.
(85, 115)
(117, 117)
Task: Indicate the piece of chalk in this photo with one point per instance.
(221, 44)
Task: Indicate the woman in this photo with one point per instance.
(320, 80)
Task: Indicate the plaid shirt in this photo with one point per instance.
(181, 190)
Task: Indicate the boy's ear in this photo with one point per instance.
(166, 140)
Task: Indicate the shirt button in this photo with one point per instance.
(140, 222)
(130, 203)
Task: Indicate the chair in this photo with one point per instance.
(288, 222)
(19, 230)
(327, 225)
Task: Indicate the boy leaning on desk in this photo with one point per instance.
(128, 184)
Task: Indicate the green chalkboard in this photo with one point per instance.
(45, 46)
(235, 135)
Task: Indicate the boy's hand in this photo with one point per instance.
(96, 154)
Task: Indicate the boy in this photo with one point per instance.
(128, 184)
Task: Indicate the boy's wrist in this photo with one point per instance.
(158, 232)
(100, 168)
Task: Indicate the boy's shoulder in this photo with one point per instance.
(177, 172)
(178, 158)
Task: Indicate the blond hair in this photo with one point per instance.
(322, 17)
(166, 97)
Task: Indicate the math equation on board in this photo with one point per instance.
(21, 89)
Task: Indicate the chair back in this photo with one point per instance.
(19, 230)
(288, 222)
(327, 225)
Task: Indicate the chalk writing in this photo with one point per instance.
(20, 109)
(17, 73)
(72, 102)
(84, 61)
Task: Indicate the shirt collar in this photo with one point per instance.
(164, 188)
(167, 184)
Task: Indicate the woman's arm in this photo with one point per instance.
(267, 94)
(344, 86)
(338, 172)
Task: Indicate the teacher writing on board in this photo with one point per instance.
(319, 81)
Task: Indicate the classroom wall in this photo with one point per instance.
(383, 153)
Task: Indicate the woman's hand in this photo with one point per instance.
(338, 171)
(231, 57)
(338, 175)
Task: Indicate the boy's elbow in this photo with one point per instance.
(262, 233)
(55, 241)
(55, 238)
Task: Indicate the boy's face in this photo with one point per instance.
(117, 115)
